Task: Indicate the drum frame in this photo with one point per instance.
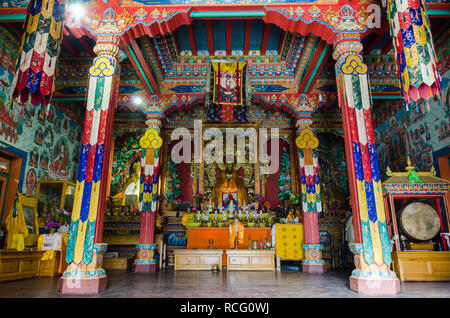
(391, 214)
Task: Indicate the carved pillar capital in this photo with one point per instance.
(107, 45)
(346, 43)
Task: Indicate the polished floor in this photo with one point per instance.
(205, 284)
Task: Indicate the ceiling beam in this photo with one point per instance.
(323, 60)
(175, 42)
(280, 46)
(210, 36)
(228, 14)
(248, 30)
(139, 71)
(229, 34)
(378, 37)
(265, 38)
(387, 47)
(318, 55)
(86, 45)
(192, 40)
(145, 67)
(67, 43)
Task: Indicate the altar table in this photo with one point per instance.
(198, 238)
(256, 260)
(197, 259)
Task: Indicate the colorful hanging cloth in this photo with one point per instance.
(415, 54)
(228, 79)
(39, 50)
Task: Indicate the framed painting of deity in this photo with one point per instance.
(228, 79)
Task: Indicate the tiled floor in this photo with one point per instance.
(199, 284)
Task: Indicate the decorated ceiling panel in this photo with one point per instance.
(286, 45)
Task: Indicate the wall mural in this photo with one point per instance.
(416, 132)
(37, 130)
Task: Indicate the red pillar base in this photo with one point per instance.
(375, 286)
(144, 268)
(82, 286)
(314, 269)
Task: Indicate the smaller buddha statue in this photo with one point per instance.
(231, 207)
(210, 207)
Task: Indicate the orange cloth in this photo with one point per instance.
(236, 234)
(199, 238)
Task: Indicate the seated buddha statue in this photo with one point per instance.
(229, 184)
(131, 187)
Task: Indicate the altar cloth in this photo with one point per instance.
(199, 237)
(289, 239)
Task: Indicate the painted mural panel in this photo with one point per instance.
(417, 132)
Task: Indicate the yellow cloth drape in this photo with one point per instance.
(239, 236)
(16, 228)
(228, 67)
(289, 239)
(185, 219)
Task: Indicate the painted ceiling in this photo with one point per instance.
(280, 62)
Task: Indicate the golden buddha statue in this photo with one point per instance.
(131, 186)
(227, 184)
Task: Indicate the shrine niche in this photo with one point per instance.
(235, 175)
(125, 165)
(333, 172)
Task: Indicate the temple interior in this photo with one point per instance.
(167, 136)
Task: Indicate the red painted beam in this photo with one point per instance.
(248, 30)
(265, 38)
(67, 43)
(319, 70)
(136, 68)
(385, 50)
(86, 45)
(229, 34)
(376, 41)
(210, 36)
(192, 40)
(175, 41)
(280, 47)
(143, 62)
(317, 53)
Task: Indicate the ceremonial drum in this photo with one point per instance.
(419, 222)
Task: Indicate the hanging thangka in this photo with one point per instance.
(227, 93)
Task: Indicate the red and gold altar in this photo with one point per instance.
(223, 135)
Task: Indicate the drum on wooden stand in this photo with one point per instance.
(419, 222)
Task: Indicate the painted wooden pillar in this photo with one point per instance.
(84, 274)
(150, 143)
(373, 256)
(308, 159)
(39, 50)
(414, 50)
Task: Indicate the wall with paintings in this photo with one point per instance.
(421, 131)
(50, 137)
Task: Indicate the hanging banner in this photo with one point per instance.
(228, 79)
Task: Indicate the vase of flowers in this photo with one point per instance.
(51, 226)
(198, 200)
(63, 216)
(178, 204)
